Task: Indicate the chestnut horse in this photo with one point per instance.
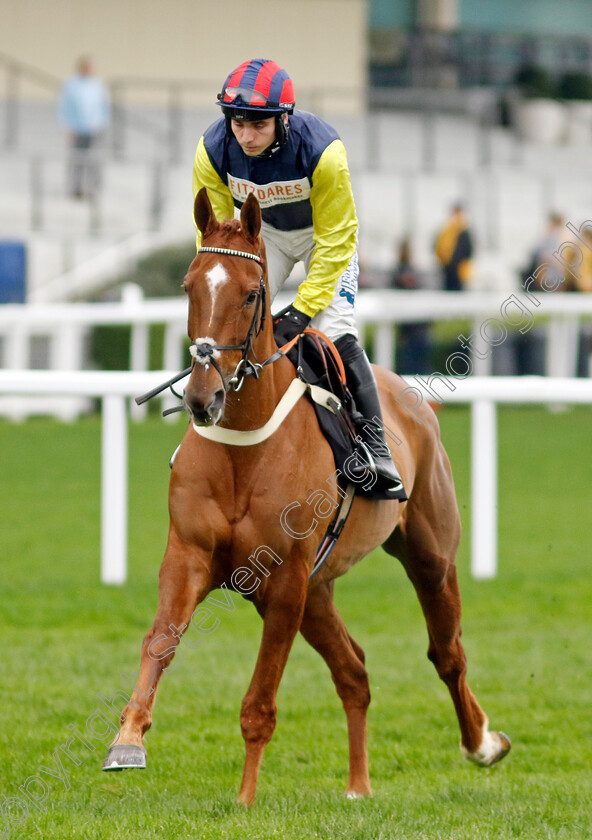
(228, 503)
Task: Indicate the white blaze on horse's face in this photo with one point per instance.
(212, 315)
(224, 311)
(216, 277)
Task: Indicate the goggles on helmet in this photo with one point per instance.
(244, 100)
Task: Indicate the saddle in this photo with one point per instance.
(317, 362)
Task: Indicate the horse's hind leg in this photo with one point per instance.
(184, 581)
(428, 558)
(323, 628)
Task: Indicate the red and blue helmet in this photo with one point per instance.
(258, 89)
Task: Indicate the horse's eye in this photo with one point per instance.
(251, 298)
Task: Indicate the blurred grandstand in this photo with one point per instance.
(434, 130)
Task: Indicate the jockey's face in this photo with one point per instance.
(254, 137)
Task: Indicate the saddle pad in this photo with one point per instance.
(314, 364)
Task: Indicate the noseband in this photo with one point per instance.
(206, 352)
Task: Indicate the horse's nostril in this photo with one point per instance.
(218, 397)
(216, 406)
(208, 411)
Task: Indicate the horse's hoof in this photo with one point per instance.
(505, 747)
(495, 746)
(125, 757)
(354, 794)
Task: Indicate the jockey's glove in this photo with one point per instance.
(289, 324)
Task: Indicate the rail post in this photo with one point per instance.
(114, 490)
(483, 489)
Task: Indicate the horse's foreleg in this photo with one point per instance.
(323, 628)
(185, 580)
(282, 614)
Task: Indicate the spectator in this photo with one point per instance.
(454, 249)
(84, 111)
(543, 271)
(542, 261)
(414, 342)
(584, 281)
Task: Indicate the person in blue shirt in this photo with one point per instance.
(84, 110)
(296, 165)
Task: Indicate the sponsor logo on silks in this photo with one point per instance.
(276, 192)
(347, 284)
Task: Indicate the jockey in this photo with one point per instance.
(296, 166)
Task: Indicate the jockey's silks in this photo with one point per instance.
(303, 184)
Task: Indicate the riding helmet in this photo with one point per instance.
(256, 90)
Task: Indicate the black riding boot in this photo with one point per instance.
(361, 383)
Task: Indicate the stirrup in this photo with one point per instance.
(391, 483)
(384, 486)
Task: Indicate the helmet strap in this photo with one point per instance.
(281, 129)
(229, 132)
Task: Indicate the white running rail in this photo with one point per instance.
(114, 388)
(493, 319)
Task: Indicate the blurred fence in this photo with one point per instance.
(113, 388)
(54, 336)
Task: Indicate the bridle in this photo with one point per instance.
(206, 352)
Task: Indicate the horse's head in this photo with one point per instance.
(226, 285)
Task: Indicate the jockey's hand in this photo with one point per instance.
(289, 324)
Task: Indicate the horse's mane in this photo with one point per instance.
(229, 228)
(225, 234)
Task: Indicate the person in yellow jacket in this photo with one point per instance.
(584, 284)
(296, 165)
(454, 249)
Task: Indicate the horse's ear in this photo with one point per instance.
(251, 218)
(203, 213)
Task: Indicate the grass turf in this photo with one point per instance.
(65, 638)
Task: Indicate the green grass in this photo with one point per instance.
(66, 637)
